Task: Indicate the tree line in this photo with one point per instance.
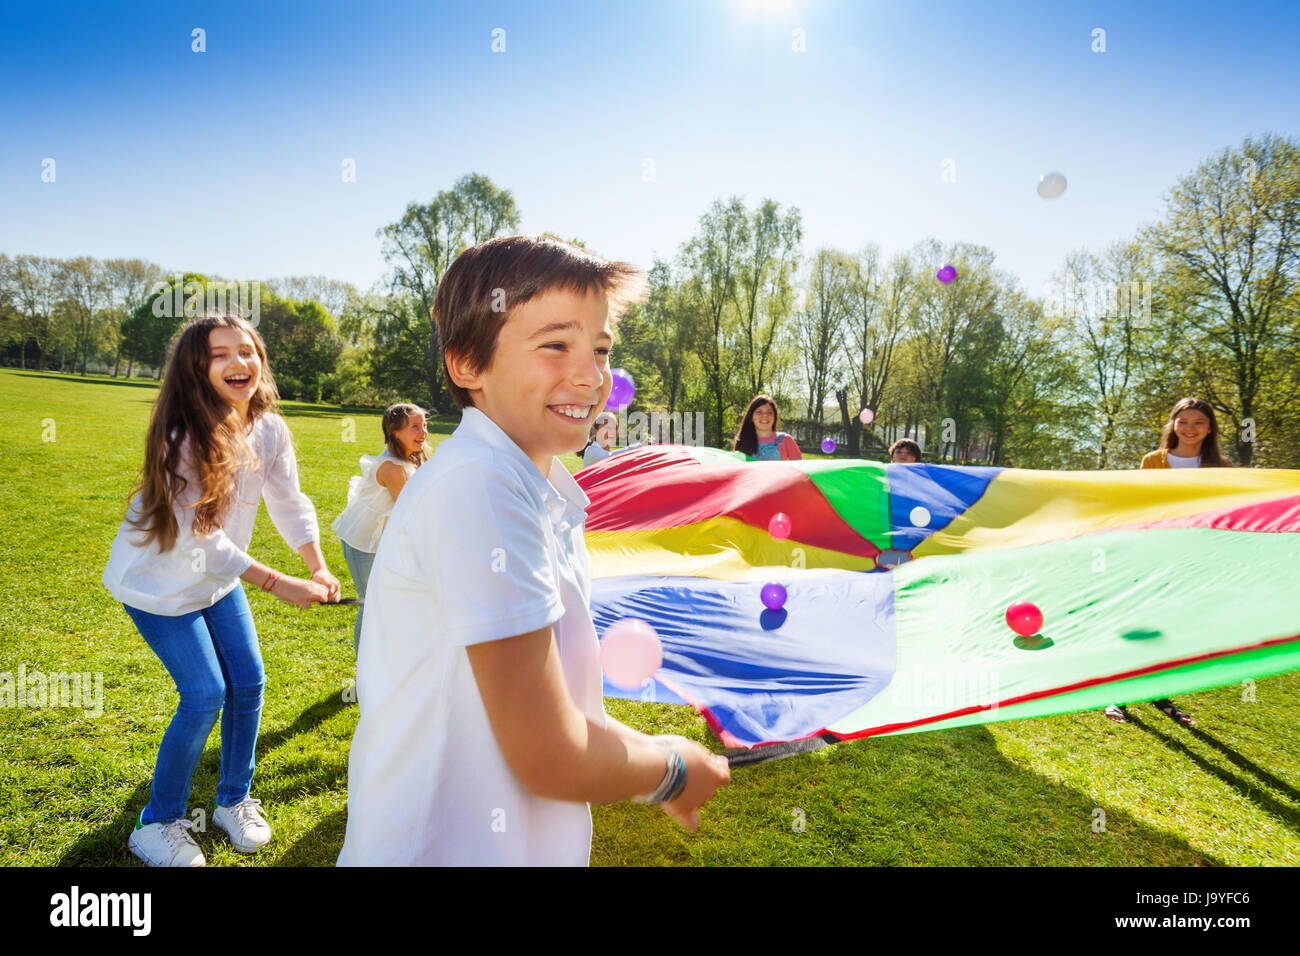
(1203, 301)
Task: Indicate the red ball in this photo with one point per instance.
(1024, 618)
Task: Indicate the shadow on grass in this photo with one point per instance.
(150, 384)
(437, 424)
(1289, 816)
(313, 716)
(947, 798)
(106, 845)
(324, 840)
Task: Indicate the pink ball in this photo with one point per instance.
(866, 416)
(630, 653)
(1024, 618)
(779, 526)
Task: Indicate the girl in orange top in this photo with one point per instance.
(1190, 440)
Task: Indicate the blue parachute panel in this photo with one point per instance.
(763, 675)
(945, 491)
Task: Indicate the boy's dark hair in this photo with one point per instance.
(487, 280)
(905, 444)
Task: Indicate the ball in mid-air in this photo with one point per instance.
(1051, 185)
(620, 396)
(630, 653)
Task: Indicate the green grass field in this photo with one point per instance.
(1014, 793)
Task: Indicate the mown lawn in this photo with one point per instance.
(1015, 793)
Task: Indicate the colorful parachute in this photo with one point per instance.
(1152, 583)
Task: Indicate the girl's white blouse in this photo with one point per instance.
(369, 504)
(200, 570)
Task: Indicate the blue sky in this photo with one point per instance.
(229, 161)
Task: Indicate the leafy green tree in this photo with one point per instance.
(302, 344)
(764, 287)
(950, 320)
(819, 326)
(84, 296)
(152, 326)
(713, 259)
(419, 248)
(128, 282)
(1104, 304)
(658, 342)
(879, 306)
(33, 291)
(1230, 244)
(404, 359)
(1017, 358)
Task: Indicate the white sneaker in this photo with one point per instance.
(166, 844)
(244, 824)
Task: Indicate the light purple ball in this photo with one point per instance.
(946, 274)
(620, 396)
(828, 445)
(773, 596)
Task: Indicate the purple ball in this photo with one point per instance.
(773, 596)
(946, 274)
(620, 396)
(828, 445)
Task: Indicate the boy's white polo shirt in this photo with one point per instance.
(479, 547)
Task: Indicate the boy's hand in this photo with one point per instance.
(705, 773)
(329, 582)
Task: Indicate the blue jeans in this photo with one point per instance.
(359, 565)
(214, 658)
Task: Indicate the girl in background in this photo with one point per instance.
(604, 432)
(372, 494)
(757, 436)
(215, 448)
(604, 435)
(1190, 440)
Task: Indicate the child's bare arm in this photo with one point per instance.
(287, 588)
(320, 572)
(392, 476)
(555, 751)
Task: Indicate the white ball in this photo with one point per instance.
(1051, 185)
(920, 517)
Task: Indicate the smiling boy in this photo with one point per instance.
(483, 737)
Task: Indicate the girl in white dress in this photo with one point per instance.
(372, 494)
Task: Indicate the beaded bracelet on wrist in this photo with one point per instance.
(673, 782)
